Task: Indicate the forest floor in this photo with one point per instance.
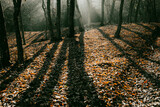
(94, 69)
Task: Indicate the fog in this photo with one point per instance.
(34, 19)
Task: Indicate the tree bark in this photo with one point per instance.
(112, 12)
(45, 15)
(117, 34)
(89, 13)
(71, 18)
(59, 18)
(50, 25)
(4, 49)
(102, 10)
(137, 10)
(155, 10)
(68, 5)
(22, 28)
(17, 6)
(130, 11)
(81, 27)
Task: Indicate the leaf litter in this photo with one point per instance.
(92, 69)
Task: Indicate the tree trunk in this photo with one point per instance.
(50, 25)
(81, 27)
(117, 34)
(68, 5)
(45, 15)
(59, 18)
(112, 12)
(89, 13)
(102, 10)
(4, 50)
(154, 10)
(22, 28)
(17, 6)
(130, 11)
(137, 10)
(71, 18)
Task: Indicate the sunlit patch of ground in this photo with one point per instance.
(94, 69)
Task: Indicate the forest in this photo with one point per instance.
(79, 53)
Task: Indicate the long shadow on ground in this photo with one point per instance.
(46, 94)
(149, 76)
(26, 97)
(35, 40)
(139, 51)
(11, 75)
(81, 90)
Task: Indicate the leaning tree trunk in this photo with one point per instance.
(22, 28)
(137, 10)
(102, 10)
(117, 34)
(81, 26)
(4, 50)
(17, 6)
(59, 18)
(71, 18)
(50, 25)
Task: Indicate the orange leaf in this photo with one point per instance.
(145, 81)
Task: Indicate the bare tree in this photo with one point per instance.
(50, 21)
(45, 15)
(137, 10)
(17, 6)
(102, 10)
(112, 11)
(71, 18)
(22, 28)
(81, 26)
(59, 18)
(120, 20)
(4, 50)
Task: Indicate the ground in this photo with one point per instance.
(94, 69)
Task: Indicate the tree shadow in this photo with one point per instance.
(152, 77)
(35, 40)
(139, 51)
(30, 92)
(81, 90)
(11, 75)
(30, 36)
(46, 92)
(138, 33)
(146, 27)
(149, 39)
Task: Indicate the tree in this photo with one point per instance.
(68, 5)
(102, 10)
(45, 15)
(120, 20)
(59, 18)
(50, 21)
(137, 9)
(4, 50)
(112, 11)
(71, 18)
(22, 28)
(130, 10)
(81, 27)
(17, 6)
